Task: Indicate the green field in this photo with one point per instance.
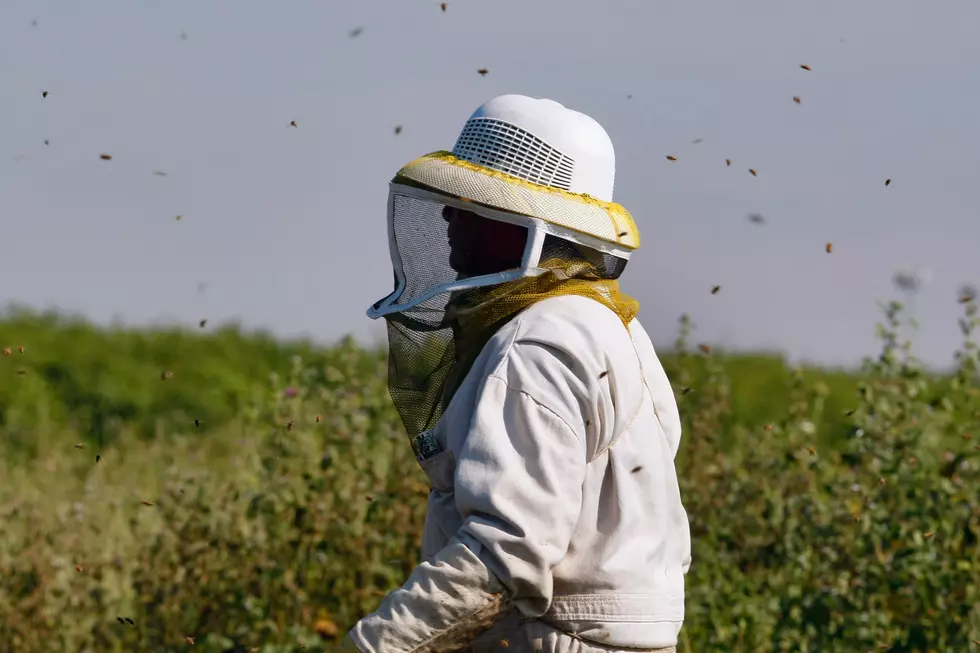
(254, 494)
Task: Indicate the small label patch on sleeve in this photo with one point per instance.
(425, 445)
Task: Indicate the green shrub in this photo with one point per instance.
(872, 545)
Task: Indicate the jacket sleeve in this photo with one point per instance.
(518, 487)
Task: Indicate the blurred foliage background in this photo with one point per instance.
(161, 489)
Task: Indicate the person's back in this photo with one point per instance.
(533, 399)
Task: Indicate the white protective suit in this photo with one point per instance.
(555, 517)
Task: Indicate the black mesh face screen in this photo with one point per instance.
(437, 245)
(419, 361)
(420, 338)
(606, 266)
(423, 245)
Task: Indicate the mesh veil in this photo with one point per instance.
(433, 344)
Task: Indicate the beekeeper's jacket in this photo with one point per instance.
(554, 513)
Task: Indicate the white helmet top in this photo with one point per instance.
(542, 142)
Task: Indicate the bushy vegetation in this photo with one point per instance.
(250, 494)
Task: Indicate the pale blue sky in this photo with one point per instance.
(286, 226)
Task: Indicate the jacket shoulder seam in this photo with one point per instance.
(535, 401)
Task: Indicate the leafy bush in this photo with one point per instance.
(872, 545)
(830, 512)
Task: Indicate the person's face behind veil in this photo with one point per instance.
(479, 246)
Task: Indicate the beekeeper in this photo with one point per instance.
(533, 398)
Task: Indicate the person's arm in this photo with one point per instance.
(518, 486)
